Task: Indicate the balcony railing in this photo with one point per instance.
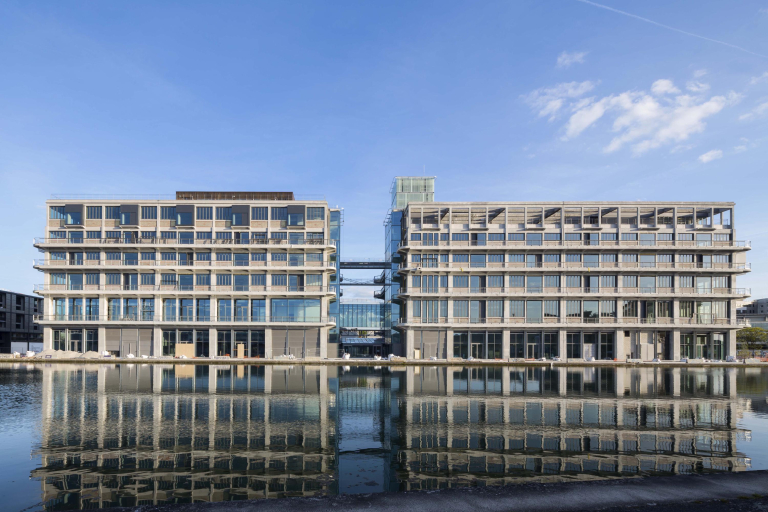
(175, 241)
(182, 288)
(699, 320)
(624, 291)
(573, 265)
(159, 318)
(178, 263)
(663, 244)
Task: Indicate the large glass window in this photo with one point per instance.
(295, 310)
(517, 345)
(606, 345)
(573, 345)
(461, 345)
(169, 342)
(225, 310)
(551, 347)
(591, 311)
(686, 346)
(534, 311)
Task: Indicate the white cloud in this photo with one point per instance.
(565, 59)
(711, 155)
(664, 86)
(699, 73)
(682, 147)
(755, 112)
(549, 100)
(757, 79)
(740, 149)
(697, 86)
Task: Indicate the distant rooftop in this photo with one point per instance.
(235, 196)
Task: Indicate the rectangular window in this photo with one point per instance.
(551, 308)
(608, 308)
(149, 212)
(516, 237)
(496, 237)
(495, 281)
(258, 279)
(148, 279)
(461, 281)
(204, 213)
(629, 281)
(93, 235)
(495, 309)
(517, 309)
(517, 258)
(461, 258)
(93, 212)
(314, 213)
(168, 212)
(551, 237)
(415, 237)
(573, 281)
(203, 279)
(223, 279)
(224, 213)
(608, 237)
(223, 235)
(168, 235)
(57, 213)
(259, 213)
(112, 212)
(461, 309)
(279, 213)
(517, 281)
(573, 236)
(629, 258)
(608, 281)
(573, 258)
(573, 308)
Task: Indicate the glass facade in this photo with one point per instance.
(364, 316)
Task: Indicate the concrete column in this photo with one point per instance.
(268, 343)
(675, 343)
(562, 343)
(102, 341)
(505, 382)
(323, 343)
(409, 344)
(449, 344)
(676, 386)
(730, 343)
(157, 341)
(505, 350)
(619, 347)
(48, 338)
(212, 333)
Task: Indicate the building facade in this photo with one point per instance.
(602, 280)
(18, 330)
(244, 274)
(755, 312)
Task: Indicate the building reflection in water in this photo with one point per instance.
(125, 435)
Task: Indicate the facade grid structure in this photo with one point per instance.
(18, 330)
(235, 274)
(569, 280)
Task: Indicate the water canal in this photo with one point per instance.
(90, 436)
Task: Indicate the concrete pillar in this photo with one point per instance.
(562, 343)
(102, 340)
(268, 344)
(675, 345)
(409, 344)
(449, 344)
(157, 341)
(48, 338)
(505, 348)
(619, 347)
(676, 384)
(212, 333)
(730, 343)
(323, 344)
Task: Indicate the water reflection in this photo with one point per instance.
(125, 435)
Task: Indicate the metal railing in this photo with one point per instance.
(573, 265)
(182, 288)
(573, 291)
(700, 320)
(577, 243)
(156, 318)
(176, 241)
(178, 263)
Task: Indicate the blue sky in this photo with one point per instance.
(557, 100)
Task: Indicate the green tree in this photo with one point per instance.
(752, 338)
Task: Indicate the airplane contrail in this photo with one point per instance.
(671, 28)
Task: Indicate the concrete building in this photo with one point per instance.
(245, 274)
(576, 280)
(755, 312)
(18, 330)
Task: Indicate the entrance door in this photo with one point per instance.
(533, 346)
(590, 343)
(478, 345)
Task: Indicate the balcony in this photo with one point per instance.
(154, 319)
(568, 265)
(575, 291)
(553, 322)
(533, 244)
(42, 242)
(177, 288)
(307, 265)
